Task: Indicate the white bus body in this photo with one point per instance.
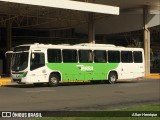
(33, 63)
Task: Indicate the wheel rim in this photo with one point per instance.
(113, 78)
(54, 80)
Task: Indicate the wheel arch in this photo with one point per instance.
(57, 73)
(112, 71)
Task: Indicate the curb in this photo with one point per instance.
(153, 76)
(4, 81)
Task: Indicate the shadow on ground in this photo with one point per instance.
(66, 84)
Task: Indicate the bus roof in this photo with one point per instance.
(78, 46)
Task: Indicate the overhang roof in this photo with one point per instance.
(31, 16)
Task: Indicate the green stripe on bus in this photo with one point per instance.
(83, 71)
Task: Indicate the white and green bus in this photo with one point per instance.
(53, 64)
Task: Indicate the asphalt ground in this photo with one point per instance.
(7, 80)
(79, 96)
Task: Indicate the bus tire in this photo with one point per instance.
(53, 80)
(112, 78)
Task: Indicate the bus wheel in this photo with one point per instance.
(112, 78)
(53, 80)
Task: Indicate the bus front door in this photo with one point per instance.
(37, 67)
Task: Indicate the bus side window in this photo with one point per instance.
(100, 56)
(85, 56)
(113, 56)
(69, 56)
(126, 57)
(54, 55)
(137, 56)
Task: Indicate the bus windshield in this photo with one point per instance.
(19, 61)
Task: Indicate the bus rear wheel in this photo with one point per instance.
(112, 78)
(53, 80)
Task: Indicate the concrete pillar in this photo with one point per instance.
(91, 26)
(146, 41)
(8, 45)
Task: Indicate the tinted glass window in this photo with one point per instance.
(19, 61)
(100, 56)
(137, 56)
(126, 57)
(113, 56)
(69, 56)
(54, 55)
(37, 61)
(85, 56)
